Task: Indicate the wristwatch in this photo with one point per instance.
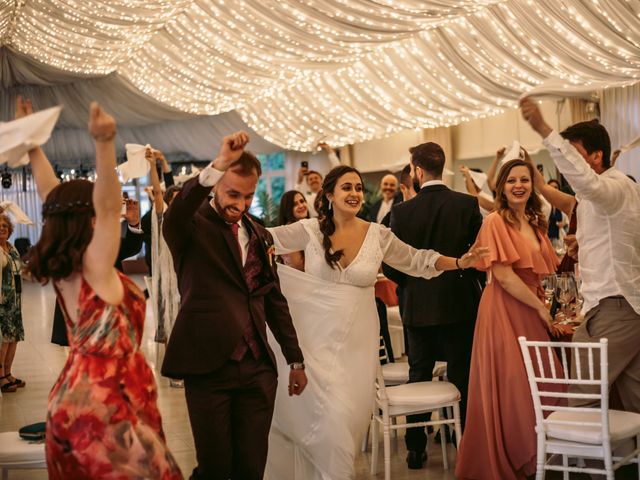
(297, 366)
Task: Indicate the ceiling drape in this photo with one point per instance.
(298, 70)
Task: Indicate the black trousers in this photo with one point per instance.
(451, 343)
(230, 412)
(384, 328)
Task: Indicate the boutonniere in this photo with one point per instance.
(271, 251)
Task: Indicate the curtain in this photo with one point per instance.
(582, 110)
(23, 193)
(620, 114)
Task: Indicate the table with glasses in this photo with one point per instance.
(562, 297)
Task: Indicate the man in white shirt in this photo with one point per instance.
(310, 182)
(608, 233)
(388, 188)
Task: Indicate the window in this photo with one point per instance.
(272, 182)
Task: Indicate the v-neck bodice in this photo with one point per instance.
(379, 245)
(361, 271)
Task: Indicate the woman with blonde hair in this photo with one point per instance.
(11, 327)
(499, 439)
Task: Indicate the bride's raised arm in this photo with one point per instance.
(423, 263)
(289, 238)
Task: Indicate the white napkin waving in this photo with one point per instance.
(479, 178)
(16, 212)
(23, 134)
(179, 180)
(136, 165)
(513, 153)
(630, 145)
(556, 89)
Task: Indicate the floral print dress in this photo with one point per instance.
(102, 421)
(11, 327)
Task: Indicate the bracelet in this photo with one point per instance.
(457, 264)
(297, 366)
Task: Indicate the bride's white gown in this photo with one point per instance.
(316, 436)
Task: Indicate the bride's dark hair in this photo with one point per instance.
(325, 211)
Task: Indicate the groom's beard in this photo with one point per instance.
(228, 213)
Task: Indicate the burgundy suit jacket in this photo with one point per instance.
(213, 291)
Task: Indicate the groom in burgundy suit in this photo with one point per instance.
(229, 294)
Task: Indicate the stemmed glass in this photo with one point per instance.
(565, 291)
(549, 285)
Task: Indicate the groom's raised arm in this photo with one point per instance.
(178, 220)
(177, 226)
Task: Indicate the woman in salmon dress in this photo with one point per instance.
(102, 419)
(499, 440)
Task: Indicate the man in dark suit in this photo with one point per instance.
(229, 293)
(439, 313)
(390, 196)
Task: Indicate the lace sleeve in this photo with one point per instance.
(409, 260)
(289, 238)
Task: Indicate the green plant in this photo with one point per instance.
(268, 207)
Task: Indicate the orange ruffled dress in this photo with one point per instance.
(499, 440)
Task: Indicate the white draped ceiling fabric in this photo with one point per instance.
(298, 70)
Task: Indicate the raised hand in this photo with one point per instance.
(102, 126)
(500, 152)
(614, 156)
(149, 156)
(532, 114)
(472, 256)
(326, 147)
(230, 150)
(464, 170)
(23, 107)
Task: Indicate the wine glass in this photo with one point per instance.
(565, 291)
(549, 285)
(559, 246)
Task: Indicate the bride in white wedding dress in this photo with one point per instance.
(333, 309)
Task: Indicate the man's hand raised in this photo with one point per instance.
(532, 114)
(230, 150)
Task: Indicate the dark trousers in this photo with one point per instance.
(230, 412)
(384, 329)
(451, 343)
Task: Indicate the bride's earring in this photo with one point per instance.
(330, 204)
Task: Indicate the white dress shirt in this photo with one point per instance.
(385, 207)
(608, 226)
(432, 182)
(208, 177)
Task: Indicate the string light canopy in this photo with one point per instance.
(345, 70)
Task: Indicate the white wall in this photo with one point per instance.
(390, 153)
(482, 137)
(473, 143)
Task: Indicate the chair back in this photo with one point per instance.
(591, 382)
(381, 391)
(382, 352)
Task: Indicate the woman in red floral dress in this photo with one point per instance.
(103, 422)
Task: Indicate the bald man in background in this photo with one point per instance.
(389, 190)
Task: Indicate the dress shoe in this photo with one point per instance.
(415, 460)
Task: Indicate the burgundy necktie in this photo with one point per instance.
(234, 228)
